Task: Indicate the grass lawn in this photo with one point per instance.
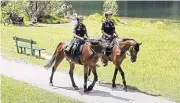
(156, 70)
(18, 92)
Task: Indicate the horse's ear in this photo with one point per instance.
(140, 43)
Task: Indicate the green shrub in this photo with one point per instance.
(100, 18)
(160, 25)
(115, 20)
(96, 17)
(53, 19)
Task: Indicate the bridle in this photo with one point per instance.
(116, 43)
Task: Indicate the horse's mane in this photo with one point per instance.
(125, 39)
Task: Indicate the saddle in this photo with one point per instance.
(93, 41)
(77, 50)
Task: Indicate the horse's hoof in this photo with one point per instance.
(76, 88)
(90, 88)
(86, 91)
(113, 85)
(88, 79)
(50, 84)
(125, 88)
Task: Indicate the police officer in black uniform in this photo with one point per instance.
(80, 34)
(108, 31)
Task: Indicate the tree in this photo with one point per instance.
(111, 5)
(42, 8)
(38, 9)
(14, 8)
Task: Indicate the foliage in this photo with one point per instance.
(111, 5)
(53, 19)
(27, 9)
(12, 7)
(42, 8)
(100, 18)
(18, 92)
(160, 25)
(115, 20)
(96, 17)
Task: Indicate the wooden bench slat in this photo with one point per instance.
(24, 40)
(24, 46)
(36, 48)
(28, 47)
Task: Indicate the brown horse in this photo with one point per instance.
(89, 57)
(118, 54)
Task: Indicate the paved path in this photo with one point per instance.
(102, 93)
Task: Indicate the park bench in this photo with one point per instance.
(24, 47)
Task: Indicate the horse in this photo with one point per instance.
(90, 54)
(118, 54)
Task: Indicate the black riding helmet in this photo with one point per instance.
(79, 18)
(108, 13)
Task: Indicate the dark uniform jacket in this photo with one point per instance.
(108, 27)
(80, 30)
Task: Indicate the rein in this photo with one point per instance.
(116, 43)
(93, 50)
(89, 41)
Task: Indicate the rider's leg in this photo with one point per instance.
(68, 48)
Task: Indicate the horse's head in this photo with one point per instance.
(133, 50)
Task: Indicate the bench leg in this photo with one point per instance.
(33, 52)
(17, 49)
(24, 50)
(39, 53)
(21, 50)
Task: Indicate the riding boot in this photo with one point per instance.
(69, 47)
(73, 51)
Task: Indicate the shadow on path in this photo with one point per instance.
(94, 93)
(119, 87)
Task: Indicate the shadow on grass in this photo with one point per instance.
(94, 93)
(119, 87)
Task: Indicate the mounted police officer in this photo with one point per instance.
(109, 33)
(80, 34)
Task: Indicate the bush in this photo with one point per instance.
(100, 18)
(136, 23)
(160, 25)
(115, 20)
(53, 19)
(96, 17)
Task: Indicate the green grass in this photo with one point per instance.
(18, 92)
(156, 70)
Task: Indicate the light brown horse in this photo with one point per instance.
(89, 57)
(118, 54)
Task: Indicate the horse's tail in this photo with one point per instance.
(52, 58)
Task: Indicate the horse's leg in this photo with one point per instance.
(95, 79)
(71, 71)
(52, 74)
(58, 60)
(123, 78)
(89, 73)
(114, 78)
(85, 77)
